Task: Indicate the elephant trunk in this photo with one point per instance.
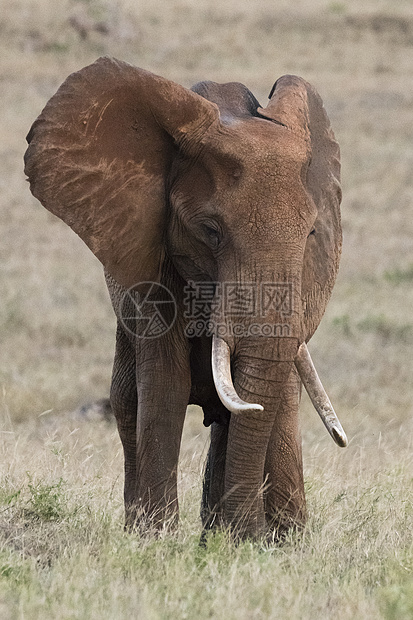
(261, 368)
(221, 370)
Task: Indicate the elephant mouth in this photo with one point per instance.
(221, 370)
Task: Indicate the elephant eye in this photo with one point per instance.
(312, 232)
(213, 235)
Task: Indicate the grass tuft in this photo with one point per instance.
(46, 501)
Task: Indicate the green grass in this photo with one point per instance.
(398, 275)
(63, 552)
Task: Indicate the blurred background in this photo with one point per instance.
(56, 323)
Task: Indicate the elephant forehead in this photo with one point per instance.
(258, 160)
(272, 186)
(272, 201)
(279, 218)
(262, 141)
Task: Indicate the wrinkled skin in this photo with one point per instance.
(175, 186)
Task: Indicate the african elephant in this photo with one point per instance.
(212, 198)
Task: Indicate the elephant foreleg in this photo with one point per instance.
(123, 398)
(163, 383)
(212, 507)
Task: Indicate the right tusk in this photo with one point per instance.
(318, 395)
(221, 371)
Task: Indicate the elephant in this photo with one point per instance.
(220, 219)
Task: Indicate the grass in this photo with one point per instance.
(63, 552)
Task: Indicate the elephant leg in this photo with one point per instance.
(163, 384)
(212, 508)
(123, 399)
(284, 498)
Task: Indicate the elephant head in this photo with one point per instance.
(166, 184)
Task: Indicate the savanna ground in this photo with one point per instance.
(63, 553)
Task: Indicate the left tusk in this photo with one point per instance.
(221, 372)
(318, 395)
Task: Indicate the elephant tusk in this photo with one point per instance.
(318, 396)
(221, 371)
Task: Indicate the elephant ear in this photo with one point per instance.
(296, 104)
(99, 155)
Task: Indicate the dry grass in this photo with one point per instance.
(63, 553)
